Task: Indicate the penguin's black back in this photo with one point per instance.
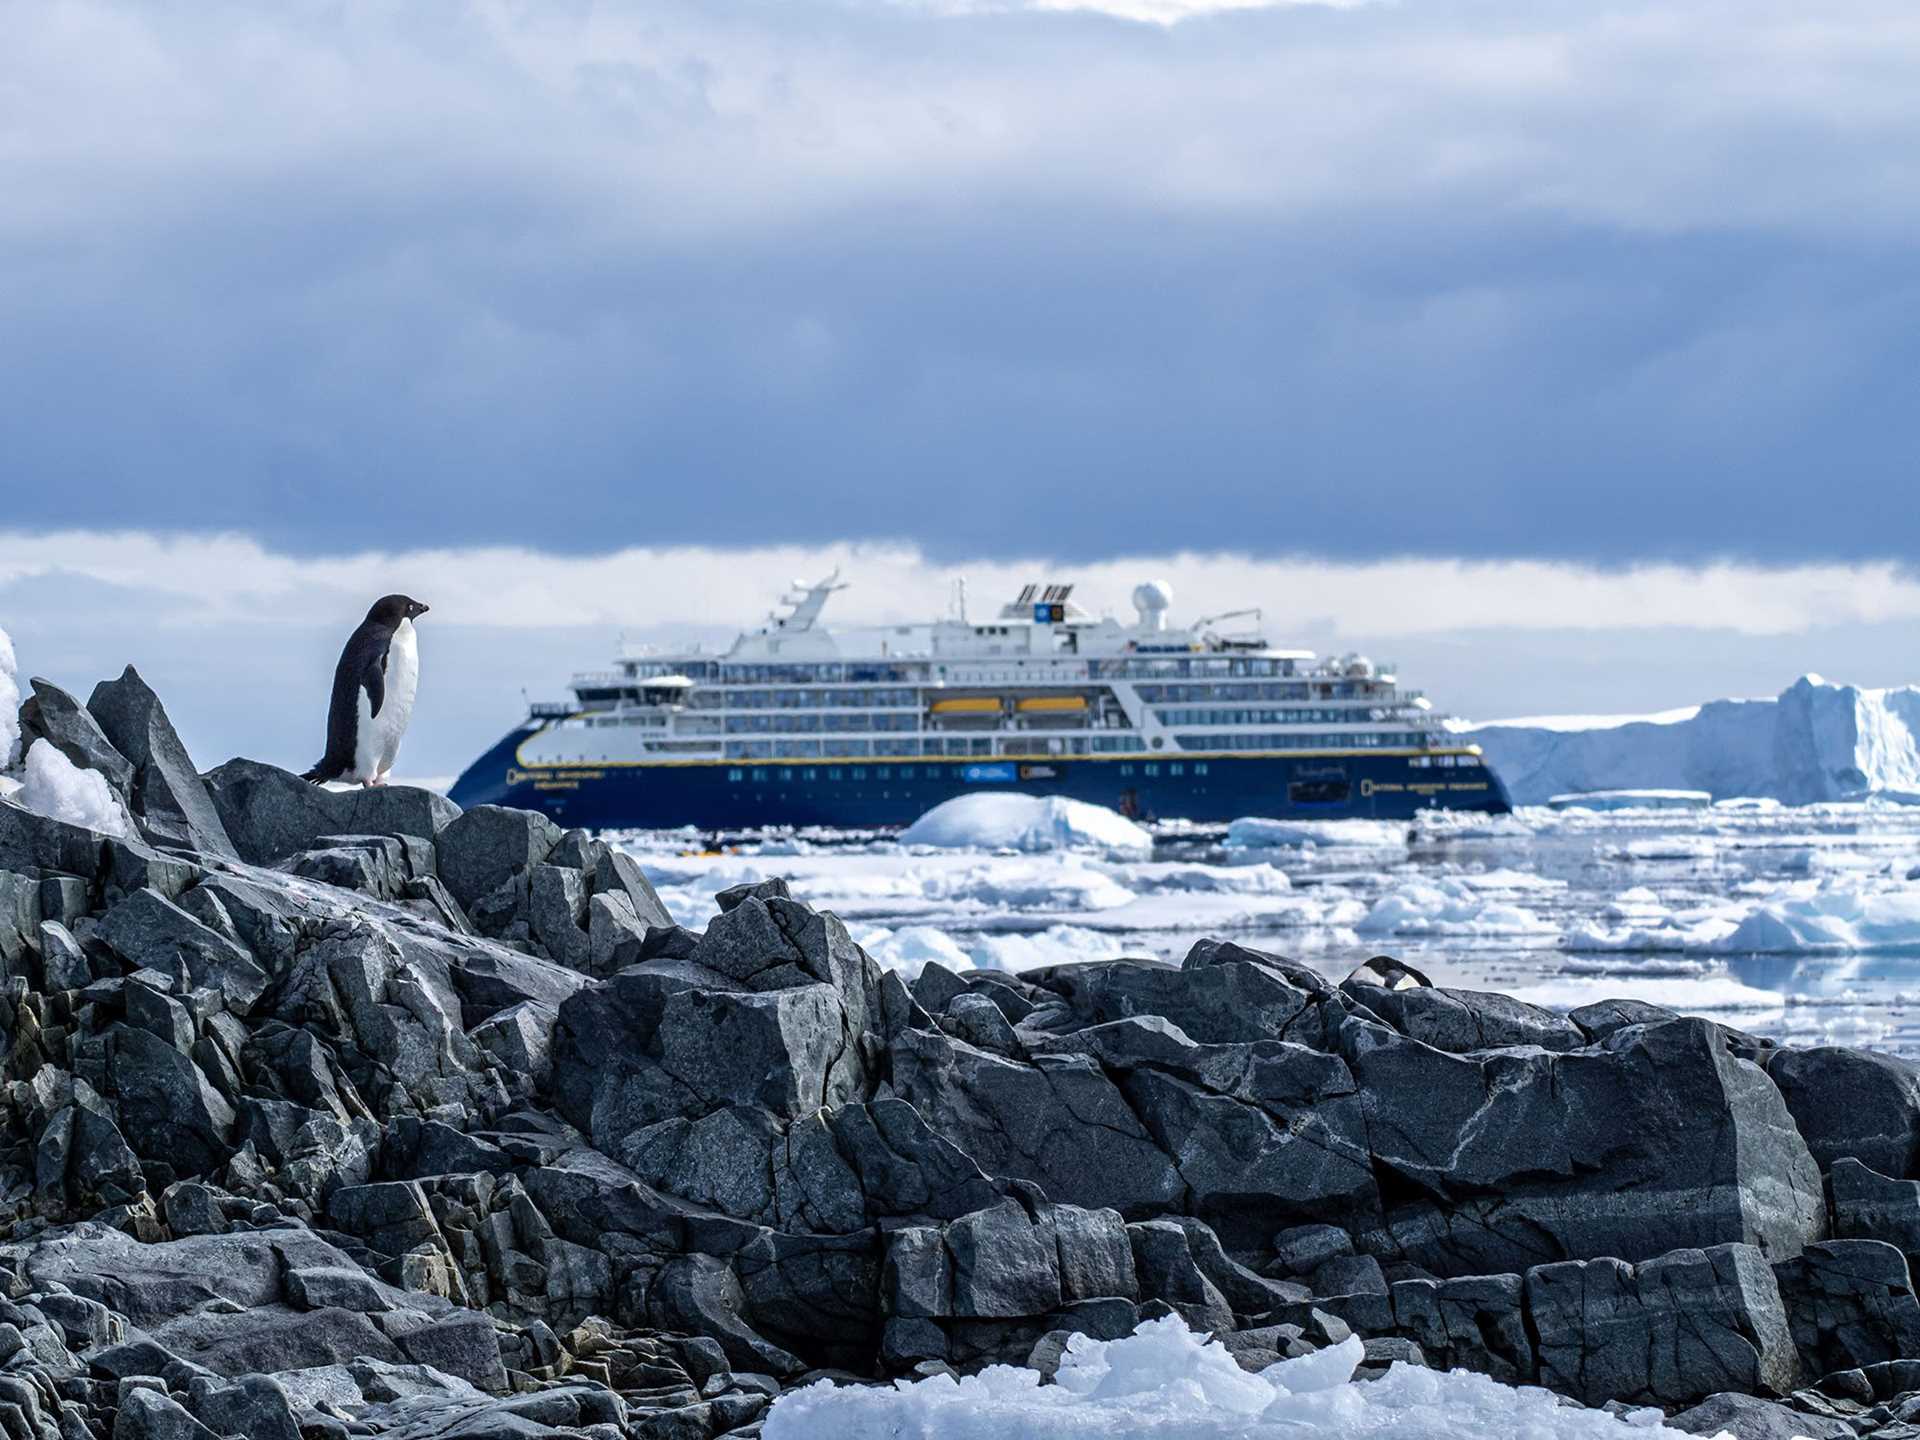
(363, 666)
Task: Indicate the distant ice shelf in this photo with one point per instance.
(1815, 742)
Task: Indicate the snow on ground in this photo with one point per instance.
(1816, 741)
(53, 785)
(1167, 1383)
(1002, 820)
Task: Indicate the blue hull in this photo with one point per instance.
(877, 793)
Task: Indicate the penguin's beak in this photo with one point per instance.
(419, 609)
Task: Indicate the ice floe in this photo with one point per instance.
(1448, 905)
(1164, 1382)
(1003, 820)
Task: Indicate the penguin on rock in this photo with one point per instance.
(373, 689)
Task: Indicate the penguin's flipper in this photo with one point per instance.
(373, 680)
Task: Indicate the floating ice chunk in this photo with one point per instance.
(1443, 905)
(54, 786)
(1164, 877)
(1631, 800)
(1833, 918)
(1002, 820)
(9, 703)
(1253, 832)
(1167, 1383)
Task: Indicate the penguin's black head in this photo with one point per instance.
(392, 609)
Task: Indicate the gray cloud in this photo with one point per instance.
(1597, 281)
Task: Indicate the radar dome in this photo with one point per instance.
(1152, 600)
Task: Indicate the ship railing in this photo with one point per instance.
(549, 710)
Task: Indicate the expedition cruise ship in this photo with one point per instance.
(798, 724)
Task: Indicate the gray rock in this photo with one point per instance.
(1221, 994)
(63, 964)
(1095, 1254)
(1464, 1020)
(1167, 1272)
(63, 722)
(170, 802)
(31, 843)
(335, 1287)
(1302, 1249)
(1752, 1418)
(978, 1021)
(1869, 1206)
(270, 1338)
(1853, 1104)
(1670, 1331)
(256, 1407)
(272, 813)
(148, 930)
(617, 873)
(168, 1109)
(1656, 1137)
(557, 914)
(1005, 1264)
(1005, 1115)
(1475, 1322)
(483, 848)
(1850, 1303)
(150, 1415)
(464, 1345)
(1602, 1018)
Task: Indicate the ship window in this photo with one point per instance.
(859, 772)
(835, 774)
(1152, 769)
(736, 776)
(1176, 770)
(1126, 769)
(759, 774)
(810, 774)
(1200, 767)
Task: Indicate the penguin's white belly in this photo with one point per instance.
(377, 739)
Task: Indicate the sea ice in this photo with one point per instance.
(910, 947)
(1254, 832)
(1448, 905)
(1167, 1383)
(53, 785)
(1003, 820)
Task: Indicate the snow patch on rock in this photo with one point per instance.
(9, 703)
(55, 787)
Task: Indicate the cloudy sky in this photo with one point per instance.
(1564, 351)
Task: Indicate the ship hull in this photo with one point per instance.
(880, 793)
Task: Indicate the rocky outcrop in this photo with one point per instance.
(348, 1112)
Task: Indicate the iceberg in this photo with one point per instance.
(1003, 820)
(1815, 742)
(1165, 1382)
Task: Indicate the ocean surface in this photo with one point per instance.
(1796, 923)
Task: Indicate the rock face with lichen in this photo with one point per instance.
(338, 1113)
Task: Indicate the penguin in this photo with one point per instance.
(373, 688)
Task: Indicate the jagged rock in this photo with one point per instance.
(256, 1407)
(1850, 1303)
(147, 929)
(272, 813)
(169, 800)
(1672, 1330)
(1475, 1322)
(150, 1415)
(169, 1110)
(63, 722)
(1690, 1145)
(1752, 1418)
(488, 845)
(1165, 1265)
(1869, 1206)
(1303, 1249)
(63, 964)
(31, 844)
(268, 1339)
(1222, 993)
(463, 1345)
(1465, 1020)
(1853, 1104)
(1005, 1264)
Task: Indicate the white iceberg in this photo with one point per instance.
(54, 786)
(909, 947)
(1163, 1382)
(1003, 820)
(1815, 742)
